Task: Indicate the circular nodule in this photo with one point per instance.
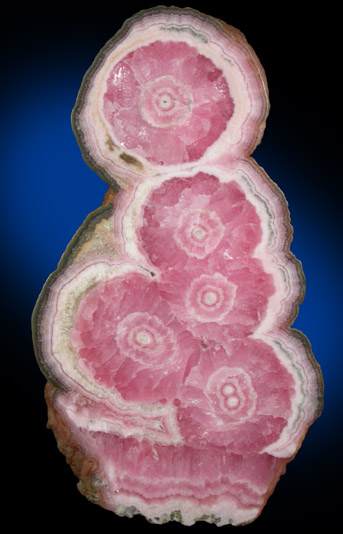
(143, 338)
(167, 103)
(199, 233)
(232, 402)
(228, 389)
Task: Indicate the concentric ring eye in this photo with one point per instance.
(199, 232)
(210, 298)
(231, 393)
(165, 103)
(144, 338)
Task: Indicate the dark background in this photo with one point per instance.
(48, 190)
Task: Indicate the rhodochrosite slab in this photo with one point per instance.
(176, 388)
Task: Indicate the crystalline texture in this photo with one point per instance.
(165, 332)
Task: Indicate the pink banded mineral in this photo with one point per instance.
(167, 102)
(176, 388)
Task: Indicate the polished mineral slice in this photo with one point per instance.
(176, 388)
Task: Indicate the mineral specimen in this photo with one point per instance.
(176, 387)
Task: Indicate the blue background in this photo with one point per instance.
(47, 191)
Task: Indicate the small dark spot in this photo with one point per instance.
(203, 345)
(152, 274)
(130, 159)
